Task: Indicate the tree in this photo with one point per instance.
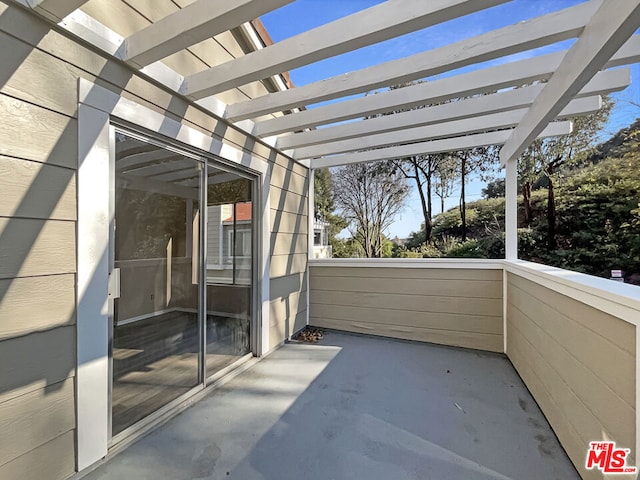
(494, 189)
(322, 196)
(324, 208)
(421, 169)
(480, 160)
(445, 176)
(546, 157)
(369, 197)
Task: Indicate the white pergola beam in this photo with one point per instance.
(192, 24)
(426, 93)
(610, 28)
(55, 9)
(516, 38)
(472, 83)
(467, 108)
(367, 27)
(477, 124)
(435, 146)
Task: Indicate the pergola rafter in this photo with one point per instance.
(544, 30)
(467, 84)
(607, 32)
(436, 115)
(190, 25)
(435, 146)
(483, 123)
(367, 27)
(56, 10)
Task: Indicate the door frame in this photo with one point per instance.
(98, 107)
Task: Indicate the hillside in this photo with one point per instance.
(598, 217)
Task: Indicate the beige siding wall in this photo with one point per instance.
(38, 159)
(449, 306)
(289, 250)
(579, 364)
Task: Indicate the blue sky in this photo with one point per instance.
(303, 15)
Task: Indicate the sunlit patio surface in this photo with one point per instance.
(356, 407)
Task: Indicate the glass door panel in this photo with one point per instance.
(156, 332)
(230, 225)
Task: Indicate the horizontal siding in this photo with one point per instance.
(461, 307)
(41, 79)
(285, 308)
(35, 419)
(34, 304)
(410, 319)
(474, 274)
(400, 302)
(595, 352)
(289, 180)
(36, 247)
(289, 249)
(35, 190)
(32, 362)
(285, 286)
(287, 163)
(287, 222)
(582, 378)
(54, 459)
(280, 331)
(35, 133)
(288, 243)
(283, 265)
(282, 200)
(431, 287)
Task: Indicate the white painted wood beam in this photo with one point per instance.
(125, 163)
(367, 27)
(192, 24)
(467, 108)
(511, 211)
(435, 146)
(477, 124)
(516, 38)
(472, 83)
(610, 28)
(56, 9)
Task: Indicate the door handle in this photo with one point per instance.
(114, 283)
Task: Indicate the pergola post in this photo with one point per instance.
(511, 210)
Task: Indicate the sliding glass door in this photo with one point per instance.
(185, 274)
(230, 221)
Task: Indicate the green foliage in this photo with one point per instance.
(494, 189)
(322, 196)
(598, 218)
(421, 251)
(483, 216)
(598, 226)
(346, 248)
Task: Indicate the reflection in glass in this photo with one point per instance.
(230, 223)
(158, 326)
(155, 345)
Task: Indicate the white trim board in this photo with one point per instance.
(470, 263)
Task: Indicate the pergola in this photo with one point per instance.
(494, 110)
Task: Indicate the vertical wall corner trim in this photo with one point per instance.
(92, 387)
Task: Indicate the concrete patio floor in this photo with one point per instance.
(356, 407)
